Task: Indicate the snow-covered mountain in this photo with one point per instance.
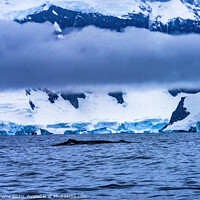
(171, 16)
(44, 111)
(186, 117)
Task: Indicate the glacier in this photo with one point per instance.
(149, 126)
(138, 111)
(99, 110)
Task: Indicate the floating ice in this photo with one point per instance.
(151, 126)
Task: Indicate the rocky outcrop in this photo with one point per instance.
(69, 18)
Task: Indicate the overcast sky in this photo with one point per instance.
(32, 56)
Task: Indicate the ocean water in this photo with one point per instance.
(158, 166)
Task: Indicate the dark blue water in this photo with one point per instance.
(160, 166)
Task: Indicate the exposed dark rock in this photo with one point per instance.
(36, 89)
(118, 96)
(52, 96)
(68, 18)
(175, 92)
(28, 92)
(73, 98)
(177, 26)
(32, 104)
(179, 114)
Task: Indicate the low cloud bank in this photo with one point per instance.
(31, 55)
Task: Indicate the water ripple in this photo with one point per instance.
(157, 166)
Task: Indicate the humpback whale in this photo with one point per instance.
(76, 142)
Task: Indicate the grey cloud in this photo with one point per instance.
(32, 56)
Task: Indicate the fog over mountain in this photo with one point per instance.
(31, 55)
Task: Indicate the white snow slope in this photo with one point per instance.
(156, 10)
(144, 110)
(97, 106)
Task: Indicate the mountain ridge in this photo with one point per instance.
(168, 16)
